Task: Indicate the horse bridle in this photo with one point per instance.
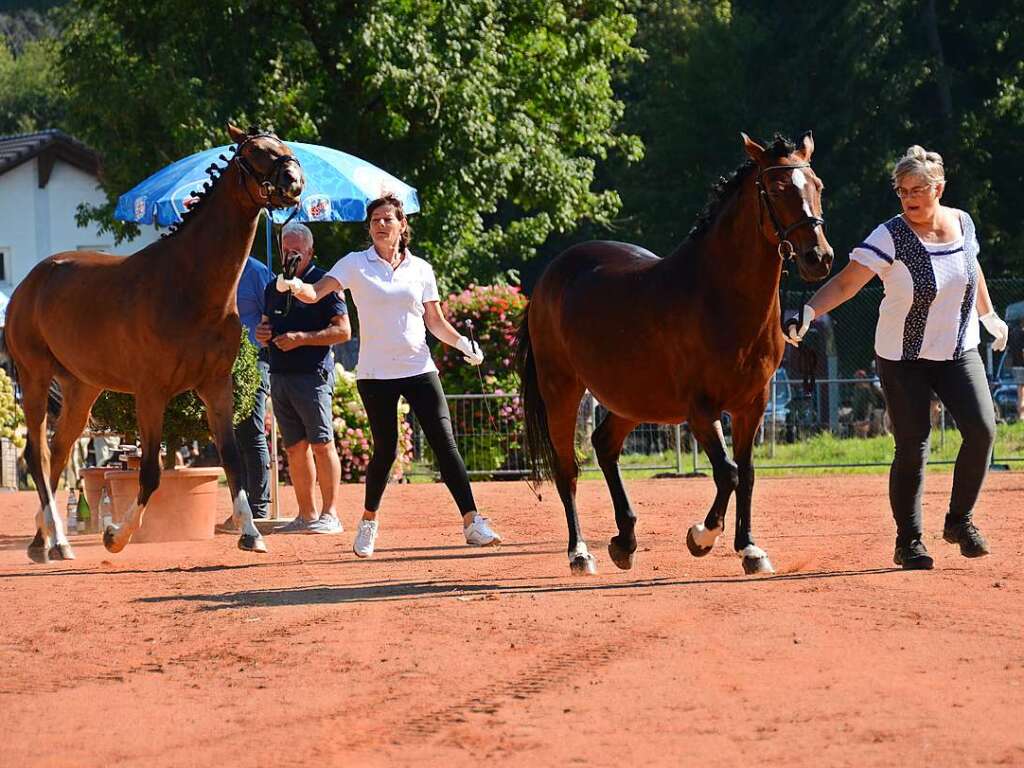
(786, 249)
(269, 183)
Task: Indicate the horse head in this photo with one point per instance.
(789, 206)
(271, 174)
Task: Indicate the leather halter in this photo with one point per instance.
(786, 249)
(269, 183)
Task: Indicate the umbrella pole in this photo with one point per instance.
(275, 511)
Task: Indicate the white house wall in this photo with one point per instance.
(36, 223)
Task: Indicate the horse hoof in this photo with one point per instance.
(695, 549)
(61, 552)
(38, 554)
(622, 557)
(583, 565)
(110, 542)
(249, 543)
(753, 566)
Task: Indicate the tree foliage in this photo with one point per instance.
(496, 110)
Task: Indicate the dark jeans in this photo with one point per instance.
(252, 445)
(962, 387)
(380, 398)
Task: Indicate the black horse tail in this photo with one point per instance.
(539, 449)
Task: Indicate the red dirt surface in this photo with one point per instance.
(432, 653)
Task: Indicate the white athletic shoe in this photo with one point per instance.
(480, 534)
(326, 523)
(366, 536)
(297, 525)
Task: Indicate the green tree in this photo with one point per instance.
(496, 110)
(31, 96)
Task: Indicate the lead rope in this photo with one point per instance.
(487, 405)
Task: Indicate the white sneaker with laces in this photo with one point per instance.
(480, 534)
(326, 523)
(298, 525)
(366, 536)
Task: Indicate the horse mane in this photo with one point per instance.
(723, 189)
(215, 172)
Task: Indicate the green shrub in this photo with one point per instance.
(12, 419)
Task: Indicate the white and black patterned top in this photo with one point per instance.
(928, 312)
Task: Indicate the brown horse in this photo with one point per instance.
(154, 324)
(665, 340)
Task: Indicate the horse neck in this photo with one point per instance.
(735, 264)
(214, 247)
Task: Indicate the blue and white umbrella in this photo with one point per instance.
(338, 187)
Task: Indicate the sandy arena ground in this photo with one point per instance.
(435, 654)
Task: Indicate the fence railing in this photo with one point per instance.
(829, 426)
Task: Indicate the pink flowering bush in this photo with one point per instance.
(487, 430)
(352, 431)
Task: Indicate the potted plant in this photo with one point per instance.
(12, 432)
(184, 507)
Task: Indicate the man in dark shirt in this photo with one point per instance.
(299, 338)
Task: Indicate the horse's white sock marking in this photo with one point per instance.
(705, 537)
(752, 551)
(580, 551)
(243, 513)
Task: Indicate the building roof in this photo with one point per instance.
(49, 146)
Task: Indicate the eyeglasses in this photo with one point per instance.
(903, 192)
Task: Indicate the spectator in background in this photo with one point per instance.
(250, 434)
(1015, 352)
(299, 336)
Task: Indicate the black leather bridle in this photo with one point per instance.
(786, 249)
(269, 183)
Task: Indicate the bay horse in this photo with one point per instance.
(685, 337)
(154, 324)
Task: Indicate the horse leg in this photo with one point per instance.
(74, 413)
(220, 405)
(702, 536)
(149, 412)
(562, 403)
(51, 540)
(744, 429)
(607, 441)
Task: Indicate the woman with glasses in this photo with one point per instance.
(926, 340)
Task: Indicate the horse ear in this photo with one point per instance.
(806, 147)
(237, 134)
(755, 150)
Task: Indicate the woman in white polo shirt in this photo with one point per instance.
(396, 295)
(926, 340)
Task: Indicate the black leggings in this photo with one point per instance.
(423, 392)
(962, 387)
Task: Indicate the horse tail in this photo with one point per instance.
(539, 449)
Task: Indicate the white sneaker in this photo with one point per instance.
(366, 536)
(326, 523)
(298, 525)
(480, 534)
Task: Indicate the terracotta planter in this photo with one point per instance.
(93, 482)
(184, 507)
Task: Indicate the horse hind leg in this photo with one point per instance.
(50, 542)
(700, 538)
(562, 405)
(607, 441)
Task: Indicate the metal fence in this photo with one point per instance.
(489, 432)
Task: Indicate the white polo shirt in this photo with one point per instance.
(392, 335)
(928, 312)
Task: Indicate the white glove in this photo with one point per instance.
(997, 328)
(470, 350)
(288, 285)
(793, 330)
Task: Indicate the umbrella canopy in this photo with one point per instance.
(338, 187)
